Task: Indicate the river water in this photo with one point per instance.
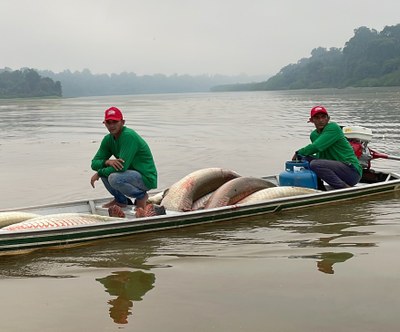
(331, 268)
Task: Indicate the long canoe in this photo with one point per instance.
(25, 240)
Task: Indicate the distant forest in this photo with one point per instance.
(33, 83)
(368, 59)
(84, 83)
(27, 83)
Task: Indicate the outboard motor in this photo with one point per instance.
(298, 174)
(359, 137)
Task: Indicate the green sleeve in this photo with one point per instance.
(320, 142)
(103, 153)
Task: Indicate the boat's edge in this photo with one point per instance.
(67, 236)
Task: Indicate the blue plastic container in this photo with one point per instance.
(298, 174)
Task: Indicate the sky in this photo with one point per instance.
(195, 37)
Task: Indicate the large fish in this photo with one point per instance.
(183, 193)
(201, 202)
(276, 192)
(235, 190)
(12, 217)
(57, 220)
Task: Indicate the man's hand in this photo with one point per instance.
(297, 157)
(118, 164)
(94, 178)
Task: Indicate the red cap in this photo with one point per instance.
(113, 113)
(317, 109)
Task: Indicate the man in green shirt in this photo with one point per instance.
(330, 154)
(131, 172)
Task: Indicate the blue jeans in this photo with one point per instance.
(123, 185)
(335, 173)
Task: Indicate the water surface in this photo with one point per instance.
(331, 268)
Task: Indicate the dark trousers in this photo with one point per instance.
(335, 173)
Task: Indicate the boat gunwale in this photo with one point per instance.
(125, 227)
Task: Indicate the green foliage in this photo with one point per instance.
(27, 83)
(369, 58)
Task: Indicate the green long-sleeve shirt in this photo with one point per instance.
(131, 148)
(331, 144)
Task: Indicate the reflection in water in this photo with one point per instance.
(329, 258)
(336, 227)
(326, 260)
(114, 254)
(127, 287)
(332, 228)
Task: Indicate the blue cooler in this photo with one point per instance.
(298, 174)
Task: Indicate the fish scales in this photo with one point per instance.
(276, 192)
(235, 190)
(182, 194)
(57, 220)
(201, 202)
(12, 217)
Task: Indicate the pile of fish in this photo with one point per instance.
(181, 195)
(216, 187)
(207, 188)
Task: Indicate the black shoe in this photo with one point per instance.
(320, 184)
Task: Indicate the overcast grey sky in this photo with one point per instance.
(179, 36)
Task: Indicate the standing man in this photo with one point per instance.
(330, 154)
(132, 172)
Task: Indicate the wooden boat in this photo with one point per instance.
(27, 240)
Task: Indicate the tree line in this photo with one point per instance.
(27, 83)
(85, 83)
(42, 83)
(369, 59)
